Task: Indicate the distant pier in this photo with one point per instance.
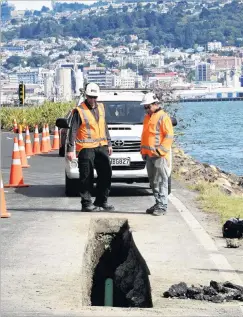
(210, 99)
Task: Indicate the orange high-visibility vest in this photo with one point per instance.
(157, 135)
(91, 133)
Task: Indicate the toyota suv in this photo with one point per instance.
(124, 117)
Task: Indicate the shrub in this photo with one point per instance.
(46, 113)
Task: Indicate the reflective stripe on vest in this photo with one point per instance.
(91, 140)
(161, 147)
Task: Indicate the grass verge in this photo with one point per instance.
(212, 199)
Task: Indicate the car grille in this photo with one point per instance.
(132, 166)
(126, 146)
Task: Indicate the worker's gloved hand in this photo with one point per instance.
(144, 157)
(70, 156)
(110, 150)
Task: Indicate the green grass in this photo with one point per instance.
(212, 199)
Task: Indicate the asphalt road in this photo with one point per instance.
(43, 242)
(46, 179)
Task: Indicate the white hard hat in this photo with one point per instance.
(92, 89)
(149, 98)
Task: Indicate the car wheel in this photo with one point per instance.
(71, 187)
(169, 185)
(62, 151)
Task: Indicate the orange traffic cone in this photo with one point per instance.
(36, 144)
(4, 213)
(22, 150)
(44, 146)
(28, 146)
(16, 175)
(56, 145)
(15, 126)
(48, 139)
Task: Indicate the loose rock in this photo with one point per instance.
(215, 292)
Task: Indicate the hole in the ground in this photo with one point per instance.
(114, 272)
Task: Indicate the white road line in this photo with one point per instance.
(241, 307)
(219, 260)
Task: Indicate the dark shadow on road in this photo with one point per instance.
(79, 211)
(129, 190)
(215, 270)
(42, 191)
(59, 191)
(54, 155)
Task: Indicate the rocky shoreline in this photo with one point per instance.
(193, 171)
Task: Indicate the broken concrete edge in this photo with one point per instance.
(101, 233)
(92, 253)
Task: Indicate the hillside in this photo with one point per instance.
(177, 27)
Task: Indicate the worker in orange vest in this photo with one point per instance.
(93, 143)
(156, 142)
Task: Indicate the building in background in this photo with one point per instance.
(63, 84)
(126, 79)
(214, 46)
(202, 72)
(77, 77)
(49, 87)
(226, 62)
(100, 76)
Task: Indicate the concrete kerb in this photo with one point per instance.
(219, 260)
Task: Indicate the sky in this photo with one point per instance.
(37, 4)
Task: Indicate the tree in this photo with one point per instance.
(131, 66)
(205, 13)
(28, 13)
(13, 61)
(80, 47)
(142, 71)
(156, 50)
(37, 13)
(101, 58)
(45, 9)
(191, 76)
(14, 22)
(37, 60)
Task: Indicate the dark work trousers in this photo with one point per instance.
(88, 159)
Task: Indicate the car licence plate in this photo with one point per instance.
(120, 161)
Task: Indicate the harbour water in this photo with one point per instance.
(212, 132)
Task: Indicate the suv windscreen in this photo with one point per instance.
(120, 112)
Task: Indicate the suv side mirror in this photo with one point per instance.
(62, 123)
(174, 121)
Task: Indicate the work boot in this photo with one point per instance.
(159, 212)
(156, 210)
(104, 207)
(89, 208)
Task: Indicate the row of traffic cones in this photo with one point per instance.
(40, 147)
(19, 159)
